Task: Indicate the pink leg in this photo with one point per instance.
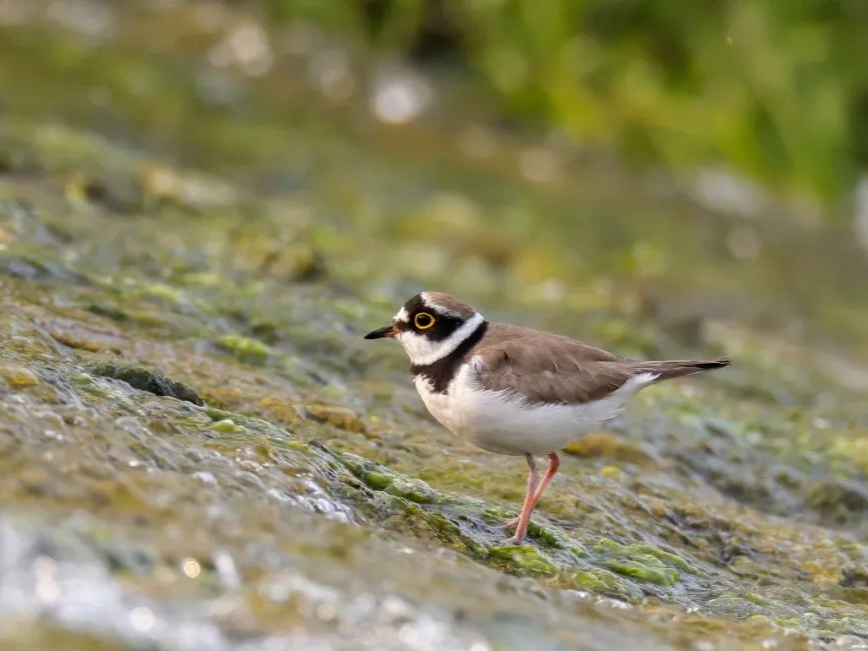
(554, 465)
(527, 507)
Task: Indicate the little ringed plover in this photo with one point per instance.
(513, 390)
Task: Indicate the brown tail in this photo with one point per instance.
(677, 368)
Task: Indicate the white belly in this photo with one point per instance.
(500, 422)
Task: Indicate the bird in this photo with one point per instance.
(517, 391)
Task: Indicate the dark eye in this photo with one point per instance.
(423, 321)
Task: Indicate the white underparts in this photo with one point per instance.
(423, 351)
(505, 422)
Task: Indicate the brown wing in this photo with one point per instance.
(545, 367)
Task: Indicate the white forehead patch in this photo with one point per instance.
(402, 316)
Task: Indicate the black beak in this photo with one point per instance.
(385, 331)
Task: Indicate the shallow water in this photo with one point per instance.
(198, 451)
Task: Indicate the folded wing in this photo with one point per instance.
(548, 368)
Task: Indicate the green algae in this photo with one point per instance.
(415, 491)
(377, 481)
(379, 478)
(521, 558)
(644, 562)
(218, 414)
(170, 295)
(661, 555)
(644, 569)
(227, 426)
(601, 581)
(244, 348)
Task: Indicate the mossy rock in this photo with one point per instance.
(523, 559)
(17, 376)
(604, 582)
(340, 417)
(649, 570)
(246, 349)
(148, 380)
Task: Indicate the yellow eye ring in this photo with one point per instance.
(424, 321)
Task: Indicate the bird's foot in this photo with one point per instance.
(513, 540)
(518, 537)
(509, 525)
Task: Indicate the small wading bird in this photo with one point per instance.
(512, 390)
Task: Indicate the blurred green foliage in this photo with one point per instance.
(777, 89)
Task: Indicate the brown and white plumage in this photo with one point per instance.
(547, 368)
(515, 390)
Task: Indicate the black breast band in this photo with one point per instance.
(441, 372)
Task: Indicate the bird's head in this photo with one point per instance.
(430, 326)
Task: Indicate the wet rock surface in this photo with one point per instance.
(198, 451)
